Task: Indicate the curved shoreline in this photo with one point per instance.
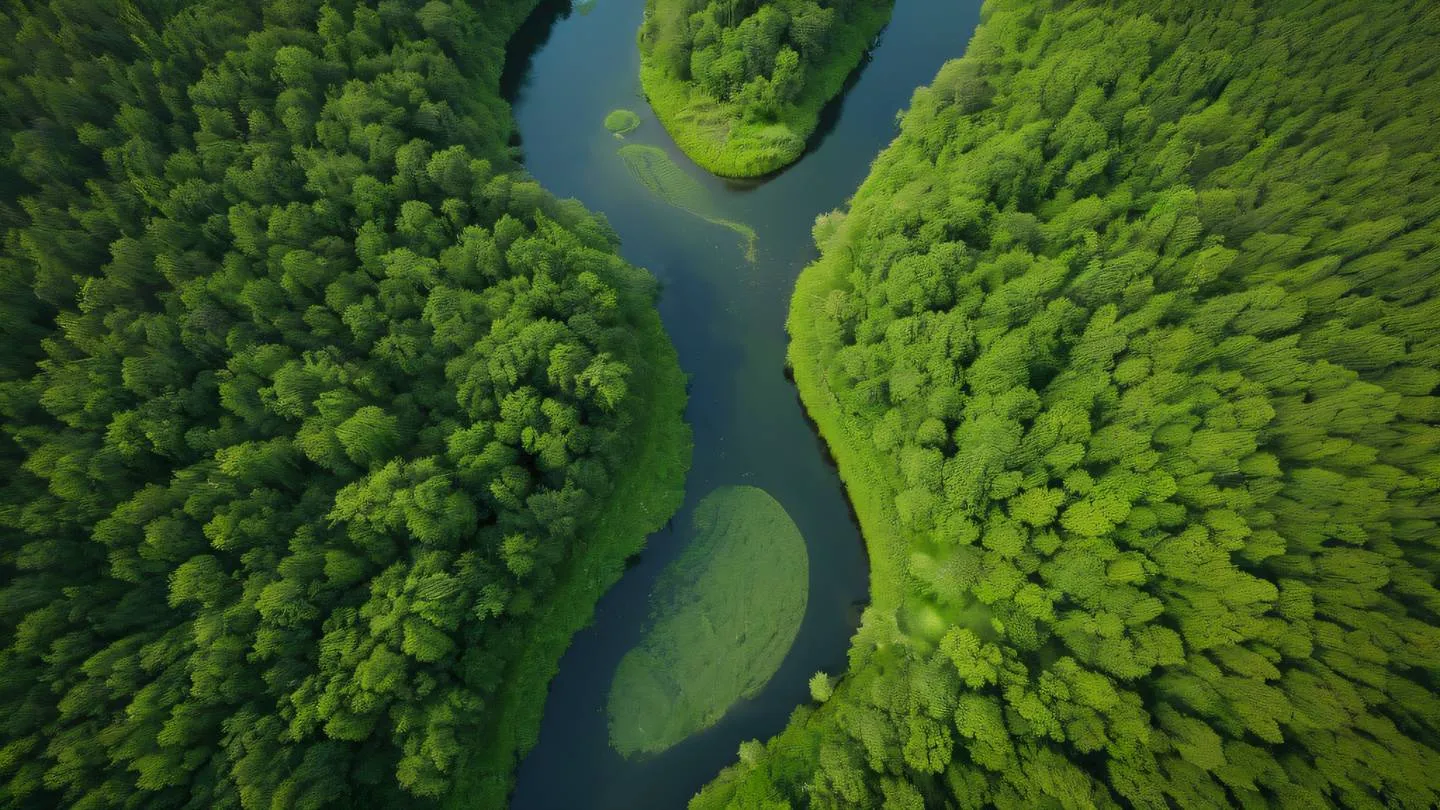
(619, 533)
(727, 321)
(868, 495)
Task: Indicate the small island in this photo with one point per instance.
(622, 122)
(739, 84)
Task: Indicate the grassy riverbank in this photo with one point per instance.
(738, 135)
(869, 488)
(644, 499)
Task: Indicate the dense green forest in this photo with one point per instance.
(1128, 352)
(739, 84)
(323, 427)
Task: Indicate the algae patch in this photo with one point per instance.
(725, 614)
(622, 122)
(664, 178)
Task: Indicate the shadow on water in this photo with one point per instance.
(828, 459)
(528, 41)
(830, 113)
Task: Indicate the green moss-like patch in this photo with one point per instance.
(664, 178)
(622, 122)
(726, 613)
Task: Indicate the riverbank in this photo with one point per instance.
(1111, 428)
(645, 497)
(871, 495)
(726, 317)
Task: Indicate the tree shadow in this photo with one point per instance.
(529, 38)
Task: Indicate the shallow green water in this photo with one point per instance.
(724, 616)
(725, 311)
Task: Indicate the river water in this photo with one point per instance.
(725, 313)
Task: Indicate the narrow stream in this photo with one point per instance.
(725, 314)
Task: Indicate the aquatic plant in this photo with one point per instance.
(622, 122)
(654, 170)
(725, 614)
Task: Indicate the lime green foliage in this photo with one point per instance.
(726, 613)
(323, 425)
(622, 122)
(1127, 353)
(739, 86)
(654, 170)
(822, 686)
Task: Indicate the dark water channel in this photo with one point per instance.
(569, 67)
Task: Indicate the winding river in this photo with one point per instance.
(725, 311)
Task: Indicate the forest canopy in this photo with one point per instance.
(1127, 349)
(739, 83)
(309, 397)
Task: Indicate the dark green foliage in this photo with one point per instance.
(1135, 329)
(740, 83)
(308, 397)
